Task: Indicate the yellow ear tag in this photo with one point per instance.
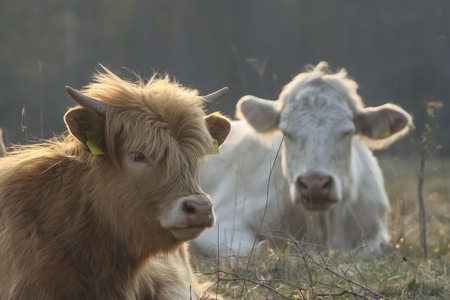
(384, 133)
(93, 147)
(215, 147)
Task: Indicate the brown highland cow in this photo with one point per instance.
(104, 212)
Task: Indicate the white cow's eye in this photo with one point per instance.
(348, 132)
(288, 135)
(137, 156)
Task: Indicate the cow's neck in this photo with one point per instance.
(100, 257)
(103, 260)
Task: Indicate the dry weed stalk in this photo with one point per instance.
(426, 150)
(2, 144)
(306, 256)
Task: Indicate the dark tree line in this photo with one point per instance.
(398, 51)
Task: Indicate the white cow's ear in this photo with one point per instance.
(382, 125)
(263, 115)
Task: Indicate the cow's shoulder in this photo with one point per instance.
(171, 274)
(367, 175)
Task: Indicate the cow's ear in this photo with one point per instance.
(383, 125)
(88, 127)
(218, 126)
(263, 115)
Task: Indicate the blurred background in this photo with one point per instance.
(398, 51)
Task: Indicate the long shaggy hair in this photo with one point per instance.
(77, 225)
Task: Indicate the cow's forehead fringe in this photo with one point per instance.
(158, 117)
(156, 91)
(157, 105)
(321, 79)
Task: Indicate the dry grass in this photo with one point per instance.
(400, 272)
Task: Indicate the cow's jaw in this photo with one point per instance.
(318, 203)
(186, 234)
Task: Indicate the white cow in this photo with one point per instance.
(324, 184)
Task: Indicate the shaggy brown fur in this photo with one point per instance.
(74, 225)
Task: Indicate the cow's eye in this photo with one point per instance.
(348, 132)
(137, 156)
(288, 135)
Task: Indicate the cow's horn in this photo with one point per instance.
(214, 97)
(99, 106)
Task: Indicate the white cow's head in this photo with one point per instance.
(321, 114)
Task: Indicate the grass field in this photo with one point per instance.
(400, 272)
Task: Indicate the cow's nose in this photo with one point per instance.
(199, 213)
(314, 184)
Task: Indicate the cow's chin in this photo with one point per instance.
(317, 204)
(186, 234)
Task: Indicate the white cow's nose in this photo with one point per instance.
(316, 190)
(314, 183)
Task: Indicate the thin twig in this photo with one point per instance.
(423, 236)
(267, 197)
(240, 277)
(325, 267)
(267, 202)
(261, 284)
(2, 144)
(218, 260)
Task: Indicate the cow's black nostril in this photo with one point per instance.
(327, 184)
(314, 182)
(188, 208)
(301, 184)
